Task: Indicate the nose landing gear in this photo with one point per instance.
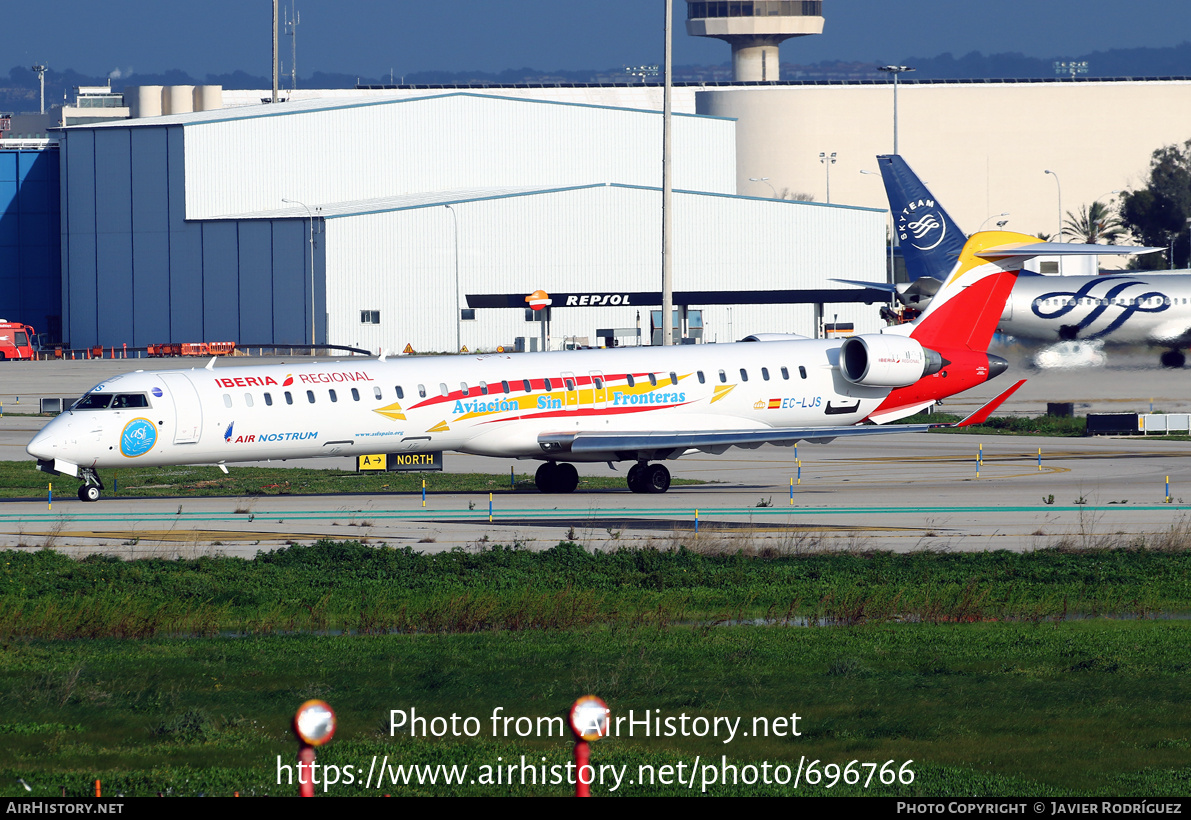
(648, 478)
(91, 487)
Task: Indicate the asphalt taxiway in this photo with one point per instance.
(899, 492)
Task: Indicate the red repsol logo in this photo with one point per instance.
(248, 381)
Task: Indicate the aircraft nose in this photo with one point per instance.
(996, 366)
(44, 445)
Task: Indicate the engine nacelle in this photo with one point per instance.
(886, 360)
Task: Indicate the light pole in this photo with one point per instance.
(892, 229)
(994, 216)
(1060, 187)
(767, 182)
(828, 160)
(309, 216)
(895, 70)
(458, 326)
(40, 70)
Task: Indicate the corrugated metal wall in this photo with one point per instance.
(30, 257)
(238, 166)
(138, 273)
(601, 239)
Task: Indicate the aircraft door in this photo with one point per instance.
(570, 391)
(188, 411)
(599, 389)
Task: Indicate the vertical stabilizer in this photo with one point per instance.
(929, 238)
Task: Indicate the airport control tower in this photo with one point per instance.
(755, 29)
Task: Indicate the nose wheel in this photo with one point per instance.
(553, 477)
(648, 478)
(92, 486)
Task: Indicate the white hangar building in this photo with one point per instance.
(383, 222)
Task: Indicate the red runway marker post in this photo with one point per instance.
(589, 721)
(314, 724)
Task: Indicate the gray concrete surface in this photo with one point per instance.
(901, 492)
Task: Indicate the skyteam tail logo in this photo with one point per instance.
(921, 226)
(138, 438)
(227, 434)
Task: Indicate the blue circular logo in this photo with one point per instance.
(138, 438)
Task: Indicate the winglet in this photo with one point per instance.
(211, 364)
(981, 415)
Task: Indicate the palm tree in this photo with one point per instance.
(1092, 224)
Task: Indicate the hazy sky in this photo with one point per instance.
(368, 37)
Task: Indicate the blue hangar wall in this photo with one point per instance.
(136, 272)
(30, 236)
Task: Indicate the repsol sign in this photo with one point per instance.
(597, 299)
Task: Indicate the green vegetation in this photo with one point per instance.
(995, 673)
(1096, 707)
(346, 586)
(20, 479)
(1006, 425)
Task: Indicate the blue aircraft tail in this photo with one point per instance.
(929, 238)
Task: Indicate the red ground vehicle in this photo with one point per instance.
(16, 340)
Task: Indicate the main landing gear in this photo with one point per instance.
(648, 478)
(91, 487)
(1173, 358)
(553, 477)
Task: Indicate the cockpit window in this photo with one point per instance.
(94, 401)
(130, 400)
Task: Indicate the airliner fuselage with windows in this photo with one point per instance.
(644, 404)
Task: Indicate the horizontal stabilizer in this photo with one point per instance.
(981, 415)
(1028, 250)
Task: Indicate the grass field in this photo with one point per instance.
(1047, 673)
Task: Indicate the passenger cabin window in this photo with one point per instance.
(422, 390)
(310, 396)
(504, 386)
(463, 388)
(765, 373)
(442, 388)
(483, 388)
(227, 400)
(400, 392)
(549, 386)
(268, 400)
(332, 395)
(248, 399)
(653, 380)
(744, 375)
(630, 380)
(598, 382)
(785, 373)
(723, 377)
(289, 398)
(376, 393)
(355, 394)
(802, 371)
(673, 377)
(702, 380)
(570, 383)
(528, 386)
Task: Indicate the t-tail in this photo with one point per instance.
(959, 325)
(930, 240)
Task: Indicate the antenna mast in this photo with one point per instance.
(291, 29)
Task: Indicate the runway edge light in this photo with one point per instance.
(589, 722)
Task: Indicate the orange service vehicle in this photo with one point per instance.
(16, 341)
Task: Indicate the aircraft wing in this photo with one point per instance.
(664, 444)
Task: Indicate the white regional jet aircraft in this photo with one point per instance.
(1126, 308)
(642, 404)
